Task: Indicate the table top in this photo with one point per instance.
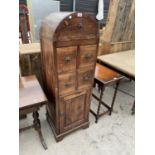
(122, 61)
(30, 92)
(30, 48)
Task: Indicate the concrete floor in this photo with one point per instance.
(112, 135)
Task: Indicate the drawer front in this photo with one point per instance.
(66, 59)
(87, 55)
(73, 110)
(66, 83)
(85, 78)
(77, 29)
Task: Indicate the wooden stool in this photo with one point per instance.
(105, 77)
(31, 98)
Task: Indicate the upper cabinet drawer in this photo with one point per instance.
(77, 28)
(66, 59)
(87, 55)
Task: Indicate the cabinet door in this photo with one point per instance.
(66, 59)
(74, 110)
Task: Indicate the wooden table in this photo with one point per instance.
(31, 98)
(122, 62)
(26, 50)
(31, 48)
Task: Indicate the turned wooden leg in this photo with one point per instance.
(98, 109)
(99, 87)
(37, 127)
(133, 108)
(114, 97)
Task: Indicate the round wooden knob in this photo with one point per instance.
(66, 85)
(67, 59)
(80, 26)
(88, 56)
(86, 78)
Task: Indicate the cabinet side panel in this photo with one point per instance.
(48, 76)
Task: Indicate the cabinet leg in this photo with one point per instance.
(58, 139)
(86, 126)
(37, 127)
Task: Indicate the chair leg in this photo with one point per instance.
(98, 109)
(114, 97)
(99, 87)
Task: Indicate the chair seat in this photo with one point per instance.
(106, 75)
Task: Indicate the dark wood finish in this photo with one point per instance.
(31, 98)
(69, 45)
(66, 59)
(105, 74)
(66, 83)
(105, 77)
(87, 56)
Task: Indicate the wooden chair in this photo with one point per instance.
(31, 98)
(105, 77)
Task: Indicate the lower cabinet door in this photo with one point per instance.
(74, 110)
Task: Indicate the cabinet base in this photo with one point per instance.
(59, 137)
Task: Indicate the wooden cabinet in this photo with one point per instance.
(69, 44)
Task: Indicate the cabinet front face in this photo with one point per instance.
(66, 59)
(73, 110)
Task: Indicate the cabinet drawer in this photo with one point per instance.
(66, 83)
(87, 55)
(77, 29)
(85, 78)
(66, 59)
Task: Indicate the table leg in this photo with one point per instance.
(37, 127)
(29, 64)
(133, 108)
(22, 117)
